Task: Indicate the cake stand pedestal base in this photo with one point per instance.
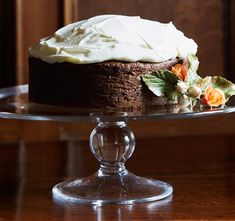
(112, 143)
(114, 189)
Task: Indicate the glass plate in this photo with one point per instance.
(14, 104)
(112, 143)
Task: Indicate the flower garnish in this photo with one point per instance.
(181, 70)
(213, 97)
(184, 101)
(195, 91)
(182, 87)
(185, 86)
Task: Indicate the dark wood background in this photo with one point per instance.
(23, 22)
(195, 155)
(211, 23)
(7, 43)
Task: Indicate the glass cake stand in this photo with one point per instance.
(112, 143)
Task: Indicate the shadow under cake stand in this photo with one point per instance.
(112, 143)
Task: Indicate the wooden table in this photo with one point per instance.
(201, 170)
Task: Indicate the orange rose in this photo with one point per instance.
(181, 71)
(213, 97)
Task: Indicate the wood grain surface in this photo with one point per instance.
(201, 170)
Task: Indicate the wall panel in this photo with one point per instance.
(7, 43)
(34, 20)
(232, 39)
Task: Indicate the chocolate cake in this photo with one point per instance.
(104, 84)
(100, 62)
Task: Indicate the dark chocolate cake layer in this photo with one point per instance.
(107, 84)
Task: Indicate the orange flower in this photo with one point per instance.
(181, 71)
(213, 97)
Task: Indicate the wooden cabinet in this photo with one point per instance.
(211, 23)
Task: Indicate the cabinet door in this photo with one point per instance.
(211, 23)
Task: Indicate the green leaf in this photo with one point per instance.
(193, 67)
(173, 95)
(226, 86)
(161, 83)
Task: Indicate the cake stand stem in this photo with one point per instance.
(112, 143)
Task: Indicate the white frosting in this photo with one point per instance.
(114, 37)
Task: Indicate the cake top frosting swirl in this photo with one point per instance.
(114, 37)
